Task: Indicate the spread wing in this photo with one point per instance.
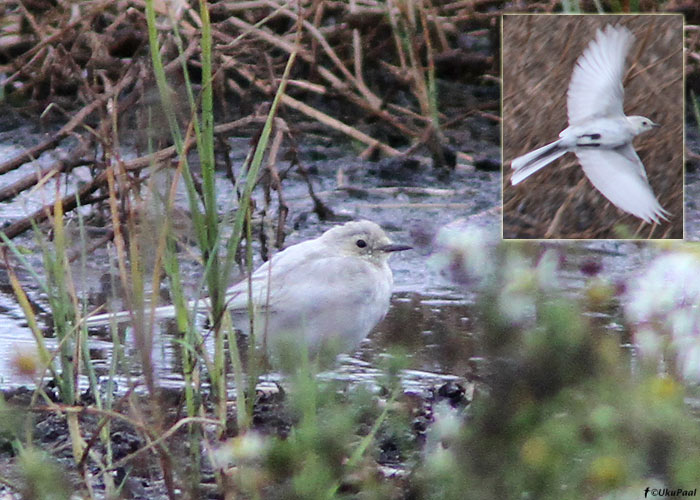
(619, 175)
(596, 83)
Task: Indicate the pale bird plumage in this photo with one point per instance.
(599, 133)
(337, 286)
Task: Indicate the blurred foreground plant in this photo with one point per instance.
(564, 415)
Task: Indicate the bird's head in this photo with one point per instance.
(641, 124)
(363, 239)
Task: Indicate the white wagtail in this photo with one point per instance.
(334, 287)
(599, 133)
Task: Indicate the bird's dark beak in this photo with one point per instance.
(655, 125)
(394, 248)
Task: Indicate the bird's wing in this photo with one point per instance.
(237, 295)
(619, 175)
(596, 83)
(329, 279)
(277, 275)
(307, 294)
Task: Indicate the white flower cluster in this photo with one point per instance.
(663, 305)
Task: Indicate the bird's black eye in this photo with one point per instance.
(361, 243)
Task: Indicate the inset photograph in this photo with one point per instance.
(592, 127)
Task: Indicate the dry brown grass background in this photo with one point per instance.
(539, 54)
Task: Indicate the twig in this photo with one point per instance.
(411, 190)
(30, 180)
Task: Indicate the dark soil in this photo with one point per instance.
(140, 476)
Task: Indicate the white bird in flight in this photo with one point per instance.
(599, 133)
(334, 287)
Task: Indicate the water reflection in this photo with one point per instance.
(438, 332)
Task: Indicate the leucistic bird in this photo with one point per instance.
(334, 287)
(599, 133)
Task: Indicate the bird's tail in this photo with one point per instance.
(162, 312)
(235, 300)
(530, 163)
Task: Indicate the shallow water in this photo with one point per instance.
(433, 320)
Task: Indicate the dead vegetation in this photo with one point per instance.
(365, 71)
